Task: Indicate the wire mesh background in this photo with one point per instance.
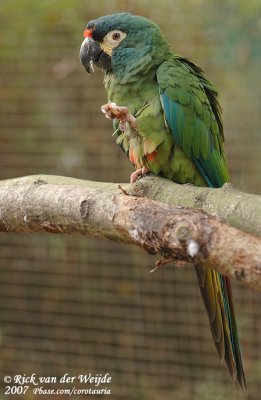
(80, 305)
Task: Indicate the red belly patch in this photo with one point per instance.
(132, 156)
(150, 157)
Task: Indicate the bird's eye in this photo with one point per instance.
(116, 36)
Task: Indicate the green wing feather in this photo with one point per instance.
(192, 113)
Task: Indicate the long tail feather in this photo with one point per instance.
(217, 296)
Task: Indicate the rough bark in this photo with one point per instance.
(239, 209)
(31, 204)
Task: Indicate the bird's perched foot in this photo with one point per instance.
(112, 111)
(139, 172)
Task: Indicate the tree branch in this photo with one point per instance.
(66, 205)
(239, 209)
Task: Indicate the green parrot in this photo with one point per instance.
(167, 119)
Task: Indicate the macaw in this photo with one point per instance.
(167, 119)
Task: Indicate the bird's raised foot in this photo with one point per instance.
(139, 172)
(112, 111)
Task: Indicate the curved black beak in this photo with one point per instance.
(91, 53)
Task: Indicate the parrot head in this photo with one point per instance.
(123, 44)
